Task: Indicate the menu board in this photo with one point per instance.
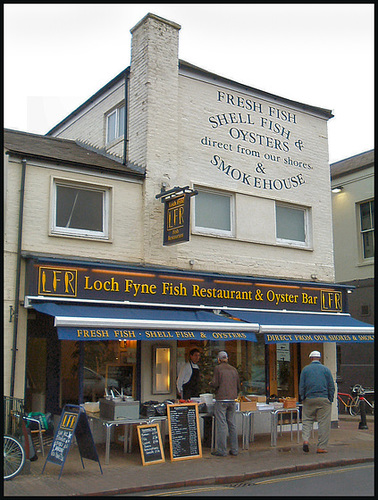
(184, 431)
(150, 443)
(63, 437)
(73, 422)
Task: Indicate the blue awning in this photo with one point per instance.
(105, 322)
(287, 326)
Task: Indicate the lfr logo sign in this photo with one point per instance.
(57, 282)
(331, 301)
(176, 220)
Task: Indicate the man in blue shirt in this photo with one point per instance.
(316, 389)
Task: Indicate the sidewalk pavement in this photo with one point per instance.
(126, 474)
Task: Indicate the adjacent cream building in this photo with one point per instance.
(352, 181)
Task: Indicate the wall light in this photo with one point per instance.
(161, 370)
(337, 189)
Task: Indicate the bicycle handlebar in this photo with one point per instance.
(360, 390)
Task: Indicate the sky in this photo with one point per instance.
(56, 56)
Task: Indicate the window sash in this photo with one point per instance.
(291, 224)
(213, 212)
(367, 229)
(80, 210)
(115, 124)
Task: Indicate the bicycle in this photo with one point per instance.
(353, 403)
(14, 457)
(14, 454)
(17, 447)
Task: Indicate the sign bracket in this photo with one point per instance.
(171, 193)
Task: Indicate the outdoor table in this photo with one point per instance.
(274, 423)
(128, 423)
(245, 428)
(274, 420)
(248, 434)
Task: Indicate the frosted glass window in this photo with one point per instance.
(290, 223)
(213, 211)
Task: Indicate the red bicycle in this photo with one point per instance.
(352, 402)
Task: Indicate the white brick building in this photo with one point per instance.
(260, 238)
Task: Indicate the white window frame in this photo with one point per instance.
(118, 126)
(208, 231)
(81, 233)
(363, 259)
(307, 225)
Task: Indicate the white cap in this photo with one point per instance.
(315, 354)
(222, 355)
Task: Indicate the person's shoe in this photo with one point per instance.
(305, 446)
(232, 453)
(217, 454)
(321, 450)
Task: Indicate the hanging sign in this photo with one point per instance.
(73, 422)
(176, 219)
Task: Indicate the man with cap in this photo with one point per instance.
(226, 383)
(316, 389)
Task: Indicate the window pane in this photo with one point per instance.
(212, 211)
(372, 213)
(368, 242)
(111, 127)
(79, 208)
(290, 223)
(366, 222)
(121, 121)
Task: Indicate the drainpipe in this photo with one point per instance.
(18, 278)
(126, 118)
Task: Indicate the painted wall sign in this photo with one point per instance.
(161, 287)
(176, 220)
(264, 134)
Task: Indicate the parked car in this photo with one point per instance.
(94, 384)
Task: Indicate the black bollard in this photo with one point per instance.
(363, 424)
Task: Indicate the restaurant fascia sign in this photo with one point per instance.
(133, 286)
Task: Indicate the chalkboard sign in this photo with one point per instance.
(184, 431)
(151, 446)
(73, 422)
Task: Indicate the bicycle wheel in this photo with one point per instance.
(354, 408)
(14, 457)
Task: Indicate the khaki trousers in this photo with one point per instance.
(317, 410)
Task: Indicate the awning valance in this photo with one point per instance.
(101, 322)
(287, 326)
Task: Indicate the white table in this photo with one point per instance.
(248, 434)
(128, 424)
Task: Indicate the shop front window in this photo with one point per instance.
(247, 357)
(108, 367)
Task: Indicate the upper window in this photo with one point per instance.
(367, 229)
(291, 225)
(213, 212)
(80, 210)
(115, 124)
